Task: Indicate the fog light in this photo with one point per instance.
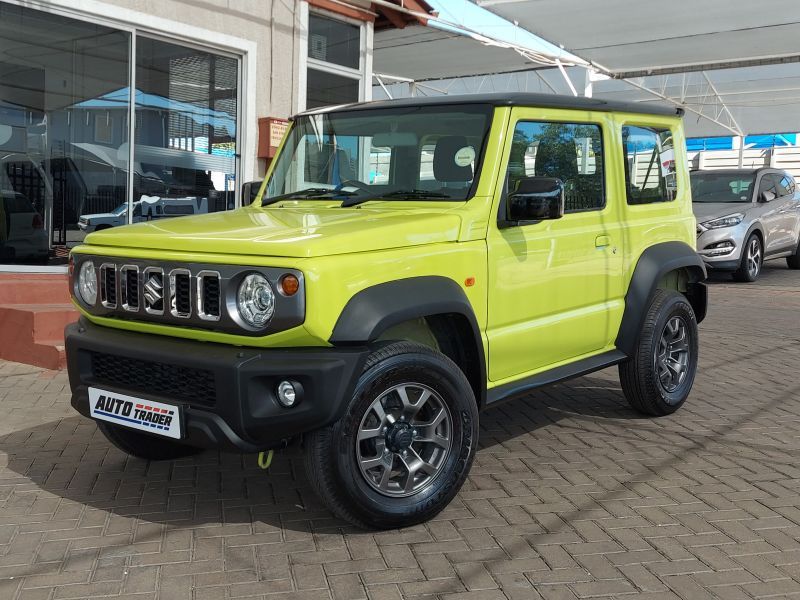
(719, 249)
(287, 394)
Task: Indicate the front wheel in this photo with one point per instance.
(752, 260)
(658, 377)
(405, 444)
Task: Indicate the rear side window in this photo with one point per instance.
(786, 185)
(571, 152)
(650, 174)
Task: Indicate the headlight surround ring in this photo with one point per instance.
(255, 300)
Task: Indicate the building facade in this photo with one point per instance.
(119, 111)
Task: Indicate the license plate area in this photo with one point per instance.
(136, 413)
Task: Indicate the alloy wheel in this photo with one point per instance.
(404, 439)
(672, 358)
(753, 258)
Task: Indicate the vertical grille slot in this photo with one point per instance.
(108, 285)
(180, 293)
(153, 290)
(129, 287)
(208, 295)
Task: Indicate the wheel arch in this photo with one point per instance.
(438, 300)
(653, 269)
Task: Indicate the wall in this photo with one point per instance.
(783, 157)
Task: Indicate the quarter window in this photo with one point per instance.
(650, 174)
(571, 152)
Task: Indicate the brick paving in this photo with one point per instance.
(572, 495)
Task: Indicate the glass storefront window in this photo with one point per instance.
(59, 155)
(334, 41)
(185, 148)
(65, 160)
(323, 88)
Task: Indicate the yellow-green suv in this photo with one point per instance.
(405, 265)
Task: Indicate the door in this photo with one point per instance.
(556, 285)
(771, 213)
(789, 212)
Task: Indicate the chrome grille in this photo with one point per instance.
(183, 294)
(108, 285)
(208, 295)
(129, 287)
(180, 293)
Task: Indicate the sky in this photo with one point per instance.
(469, 14)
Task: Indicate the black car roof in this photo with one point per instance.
(513, 99)
(732, 171)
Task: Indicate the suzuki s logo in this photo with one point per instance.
(153, 290)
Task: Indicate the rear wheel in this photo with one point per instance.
(794, 261)
(658, 377)
(405, 444)
(145, 446)
(752, 260)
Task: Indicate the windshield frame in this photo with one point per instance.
(288, 148)
(734, 176)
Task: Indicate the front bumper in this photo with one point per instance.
(724, 262)
(227, 393)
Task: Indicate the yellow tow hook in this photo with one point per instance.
(265, 459)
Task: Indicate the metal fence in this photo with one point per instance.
(781, 157)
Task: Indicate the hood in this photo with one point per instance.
(101, 216)
(288, 231)
(706, 211)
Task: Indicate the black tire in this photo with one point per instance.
(102, 227)
(639, 375)
(332, 453)
(794, 261)
(141, 445)
(750, 268)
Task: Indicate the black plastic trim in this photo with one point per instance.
(246, 416)
(654, 263)
(512, 390)
(374, 310)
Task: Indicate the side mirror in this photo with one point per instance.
(250, 191)
(766, 197)
(535, 199)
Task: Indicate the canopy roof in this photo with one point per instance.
(734, 66)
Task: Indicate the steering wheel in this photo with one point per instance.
(364, 187)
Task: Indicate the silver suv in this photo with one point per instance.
(744, 217)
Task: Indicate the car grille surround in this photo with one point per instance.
(193, 295)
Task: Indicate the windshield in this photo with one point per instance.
(120, 210)
(421, 152)
(722, 187)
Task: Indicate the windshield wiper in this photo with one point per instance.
(399, 194)
(321, 193)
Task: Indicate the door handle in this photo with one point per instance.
(601, 241)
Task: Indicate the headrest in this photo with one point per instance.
(445, 167)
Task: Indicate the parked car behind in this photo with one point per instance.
(744, 217)
(22, 233)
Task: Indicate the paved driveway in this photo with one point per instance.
(571, 495)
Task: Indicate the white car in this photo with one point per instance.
(115, 218)
(149, 207)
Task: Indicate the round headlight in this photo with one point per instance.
(87, 283)
(255, 300)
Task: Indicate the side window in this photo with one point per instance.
(786, 185)
(571, 152)
(650, 174)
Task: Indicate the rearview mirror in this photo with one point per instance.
(766, 197)
(535, 199)
(250, 191)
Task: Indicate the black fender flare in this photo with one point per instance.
(654, 263)
(375, 309)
